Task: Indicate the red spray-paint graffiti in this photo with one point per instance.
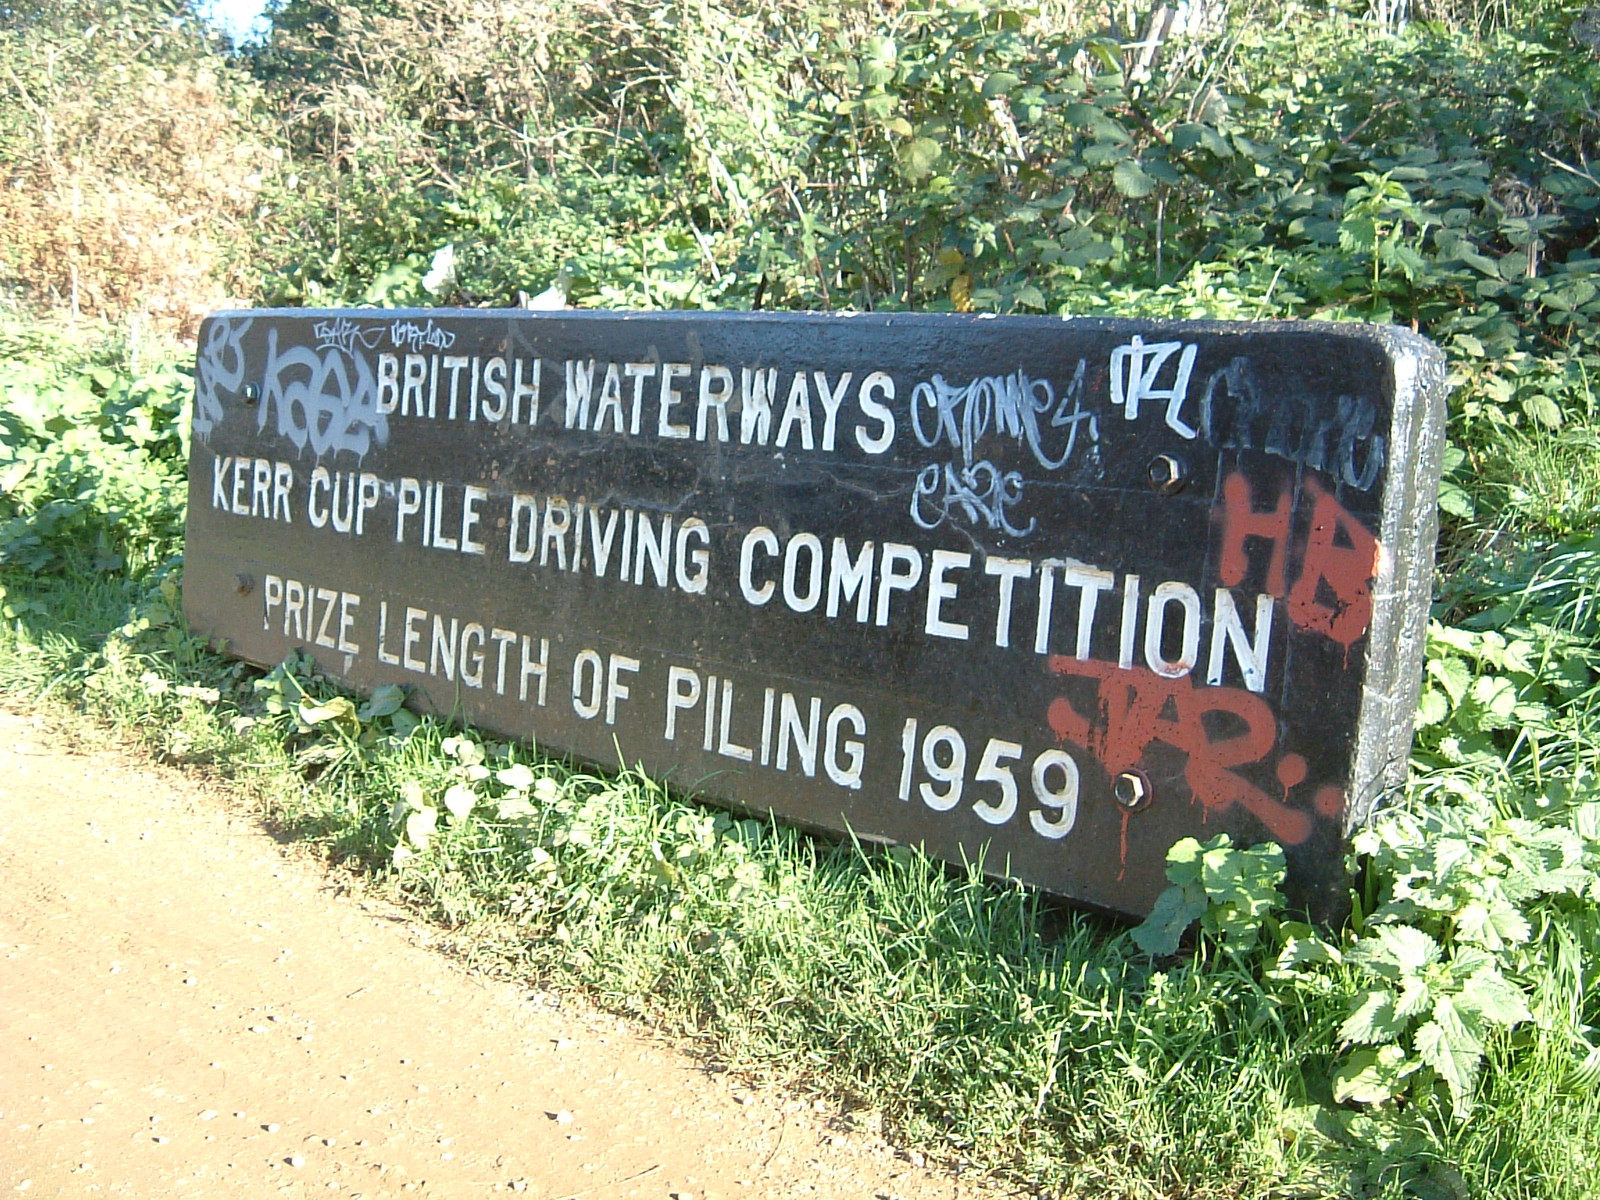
(1333, 593)
(1134, 708)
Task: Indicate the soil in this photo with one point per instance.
(189, 1007)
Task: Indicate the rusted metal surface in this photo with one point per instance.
(1055, 593)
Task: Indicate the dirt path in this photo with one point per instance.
(188, 1008)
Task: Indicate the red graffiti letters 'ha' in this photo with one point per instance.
(1333, 593)
(1346, 569)
(1240, 523)
(1134, 707)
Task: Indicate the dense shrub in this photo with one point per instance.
(131, 161)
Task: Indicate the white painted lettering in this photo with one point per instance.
(797, 600)
(586, 696)
(1227, 630)
(850, 578)
(845, 773)
(683, 693)
(1093, 581)
(716, 387)
(472, 655)
(1008, 571)
(691, 569)
(768, 540)
(940, 590)
(470, 499)
(891, 580)
(408, 502)
(412, 636)
(756, 390)
(385, 655)
(670, 398)
(875, 385)
(537, 668)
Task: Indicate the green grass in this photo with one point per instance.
(975, 1019)
(978, 1020)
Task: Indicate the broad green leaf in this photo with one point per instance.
(1497, 694)
(1395, 946)
(1455, 500)
(1493, 999)
(1572, 881)
(1493, 927)
(1373, 1019)
(1543, 410)
(919, 157)
(1303, 945)
(338, 711)
(1029, 296)
(999, 84)
(1089, 252)
(1412, 1000)
(1184, 861)
(1453, 675)
(463, 749)
(1453, 1049)
(1513, 265)
(881, 105)
(1175, 910)
(1372, 1076)
(385, 700)
(1432, 708)
(1132, 180)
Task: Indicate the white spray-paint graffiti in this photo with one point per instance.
(218, 368)
(1015, 408)
(415, 337)
(1136, 373)
(326, 400)
(344, 334)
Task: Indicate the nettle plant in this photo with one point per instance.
(1449, 954)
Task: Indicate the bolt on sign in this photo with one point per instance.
(1044, 594)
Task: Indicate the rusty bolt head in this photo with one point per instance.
(1167, 474)
(1132, 790)
(250, 393)
(243, 583)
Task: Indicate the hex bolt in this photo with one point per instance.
(1168, 475)
(250, 393)
(243, 583)
(1132, 790)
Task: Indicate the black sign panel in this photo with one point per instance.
(1055, 593)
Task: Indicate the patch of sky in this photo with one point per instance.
(242, 20)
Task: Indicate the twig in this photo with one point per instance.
(778, 1145)
(1581, 174)
(613, 1183)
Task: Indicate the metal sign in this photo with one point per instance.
(1052, 594)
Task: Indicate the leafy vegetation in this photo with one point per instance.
(131, 161)
(1277, 160)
